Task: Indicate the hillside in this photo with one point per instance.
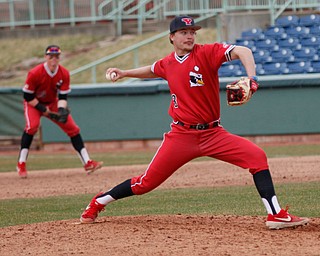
(19, 55)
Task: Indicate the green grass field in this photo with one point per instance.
(213, 201)
(62, 160)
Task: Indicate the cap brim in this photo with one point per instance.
(191, 27)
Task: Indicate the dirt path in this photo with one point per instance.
(158, 235)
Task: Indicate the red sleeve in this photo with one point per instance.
(218, 53)
(30, 84)
(159, 67)
(65, 87)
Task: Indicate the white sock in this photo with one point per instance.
(84, 156)
(275, 205)
(105, 199)
(23, 155)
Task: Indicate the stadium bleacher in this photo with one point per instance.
(291, 46)
(283, 54)
(309, 20)
(262, 56)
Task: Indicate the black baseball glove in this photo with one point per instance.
(61, 116)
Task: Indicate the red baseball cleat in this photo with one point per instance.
(22, 170)
(91, 212)
(284, 220)
(92, 165)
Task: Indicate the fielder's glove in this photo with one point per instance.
(61, 116)
(240, 92)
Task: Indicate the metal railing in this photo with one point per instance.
(135, 48)
(189, 7)
(16, 13)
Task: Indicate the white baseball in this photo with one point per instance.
(111, 76)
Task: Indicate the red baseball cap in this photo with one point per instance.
(182, 22)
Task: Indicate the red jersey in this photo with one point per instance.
(194, 83)
(45, 84)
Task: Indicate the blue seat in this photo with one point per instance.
(283, 55)
(234, 62)
(268, 43)
(299, 67)
(315, 30)
(259, 69)
(309, 20)
(315, 66)
(298, 31)
(316, 57)
(287, 21)
(305, 53)
(313, 41)
(275, 32)
(244, 42)
(291, 42)
(262, 56)
(227, 70)
(252, 34)
(259, 66)
(275, 68)
(248, 43)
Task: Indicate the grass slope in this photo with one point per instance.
(79, 50)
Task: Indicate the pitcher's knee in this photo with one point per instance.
(261, 155)
(73, 132)
(259, 161)
(140, 190)
(140, 185)
(31, 130)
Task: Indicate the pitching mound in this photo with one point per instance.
(158, 235)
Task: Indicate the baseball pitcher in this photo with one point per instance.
(191, 71)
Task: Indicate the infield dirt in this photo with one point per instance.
(163, 234)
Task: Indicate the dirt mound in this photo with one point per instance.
(158, 235)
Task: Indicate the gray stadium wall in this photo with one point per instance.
(138, 110)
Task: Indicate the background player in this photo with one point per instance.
(192, 74)
(45, 93)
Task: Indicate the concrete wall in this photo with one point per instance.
(132, 112)
(271, 111)
(232, 24)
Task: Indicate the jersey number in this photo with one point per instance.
(174, 100)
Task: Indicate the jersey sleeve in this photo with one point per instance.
(159, 67)
(65, 83)
(227, 53)
(30, 83)
(219, 53)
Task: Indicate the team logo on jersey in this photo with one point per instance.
(59, 84)
(225, 45)
(195, 79)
